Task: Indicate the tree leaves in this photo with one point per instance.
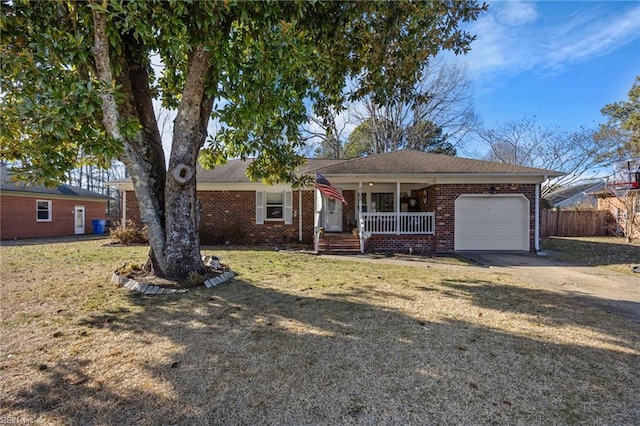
(73, 69)
(623, 123)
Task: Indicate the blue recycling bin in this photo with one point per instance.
(98, 226)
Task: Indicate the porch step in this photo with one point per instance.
(339, 243)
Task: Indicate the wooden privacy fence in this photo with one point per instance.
(568, 223)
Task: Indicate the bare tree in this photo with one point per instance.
(444, 97)
(439, 110)
(326, 136)
(525, 143)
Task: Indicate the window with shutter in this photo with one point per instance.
(288, 208)
(259, 207)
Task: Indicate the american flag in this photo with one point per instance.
(323, 185)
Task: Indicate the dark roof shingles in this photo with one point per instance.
(392, 163)
(9, 184)
(413, 162)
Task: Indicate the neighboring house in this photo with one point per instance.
(574, 196)
(621, 198)
(32, 211)
(624, 209)
(398, 201)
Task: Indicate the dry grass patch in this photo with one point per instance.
(300, 339)
(609, 252)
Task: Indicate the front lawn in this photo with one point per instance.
(609, 252)
(300, 339)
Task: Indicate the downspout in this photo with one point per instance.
(536, 235)
(299, 214)
(360, 230)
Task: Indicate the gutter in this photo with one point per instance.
(536, 236)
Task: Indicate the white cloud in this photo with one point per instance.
(516, 13)
(546, 37)
(595, 38)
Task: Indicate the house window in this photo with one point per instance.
(275, 205)
(382, 201)
(43, 210)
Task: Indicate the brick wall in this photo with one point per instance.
(233, 213)
(446, 195)
(231, 216)
(133, 211)
(420, 244)
(18, 217)
(349, 220)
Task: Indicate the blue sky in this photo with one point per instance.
(561, 61)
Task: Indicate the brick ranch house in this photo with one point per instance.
(35, 211)
(396, 201)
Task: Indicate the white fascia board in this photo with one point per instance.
(243, 186)
(122, 185)
(47, 196)
(484, 178)
(351, 181)
(221, 186)
(355, 179)
(441, 178)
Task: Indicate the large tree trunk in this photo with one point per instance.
(182, 248)
(143, 156)
(167, 201)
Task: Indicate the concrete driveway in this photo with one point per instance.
(598, 287)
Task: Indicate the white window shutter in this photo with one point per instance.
(260, 207)
(288, 208)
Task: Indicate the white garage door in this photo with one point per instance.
(491, 223)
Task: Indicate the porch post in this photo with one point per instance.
(123, 194)
(398, 208)
(316, 220)
(360, 230)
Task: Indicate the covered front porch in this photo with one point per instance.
(378, 215)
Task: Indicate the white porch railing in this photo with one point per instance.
(397, 223)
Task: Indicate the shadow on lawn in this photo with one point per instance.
(245, 354)
(591, 253)
(548, 307)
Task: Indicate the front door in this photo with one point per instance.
(332, 215)
(79, 219)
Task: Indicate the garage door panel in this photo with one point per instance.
(491, 223)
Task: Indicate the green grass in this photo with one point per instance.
(607, 252)
(303, 339)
